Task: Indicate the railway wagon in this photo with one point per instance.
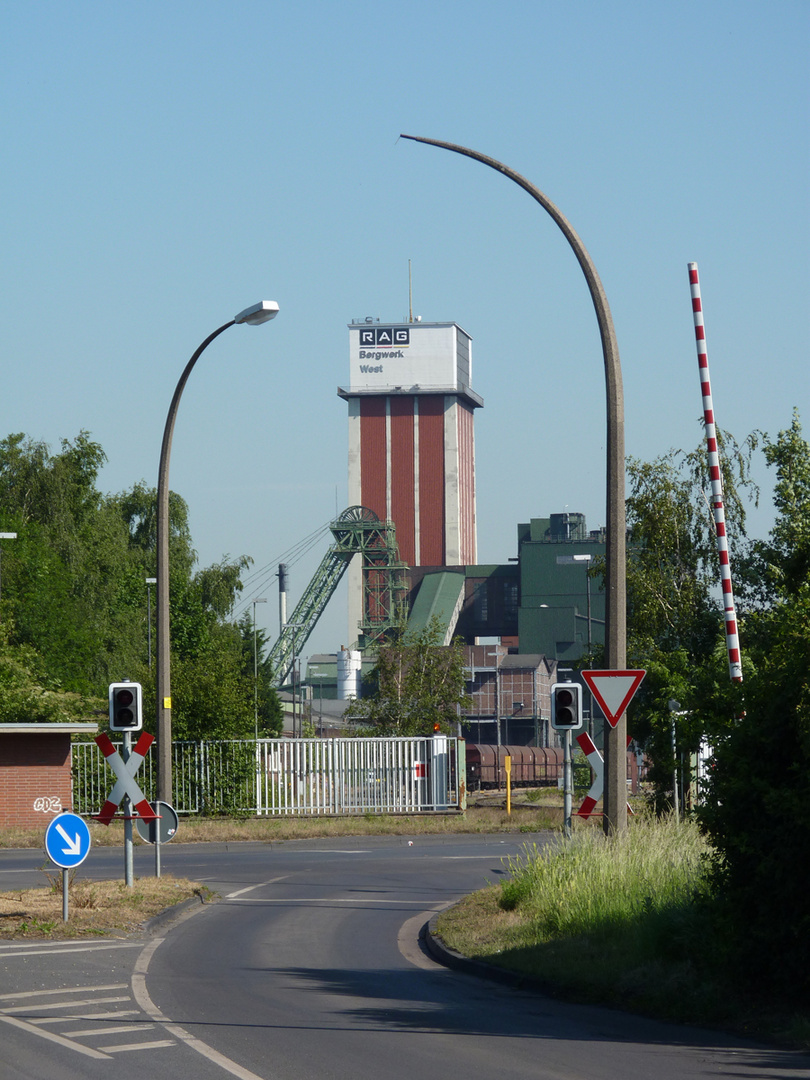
(532, 766)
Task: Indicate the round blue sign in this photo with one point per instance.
(67, 840)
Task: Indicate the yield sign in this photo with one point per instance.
(613, 690)
(125, 783)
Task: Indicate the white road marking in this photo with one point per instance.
(40, 948)
(88, 1051)
(126, 1047)
(63, 990)
(72, 999)
(326, 900)
(250, 888)
(141, 995)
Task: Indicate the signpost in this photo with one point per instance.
(159, 830)
(67, 842)
(126, 789)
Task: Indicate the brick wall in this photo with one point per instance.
(35, 778)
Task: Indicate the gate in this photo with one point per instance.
(294, 776)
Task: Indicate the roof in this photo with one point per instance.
(69, 728)
(439, 597)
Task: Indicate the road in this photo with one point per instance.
(310, 966)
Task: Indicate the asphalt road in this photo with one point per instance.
(310, 966)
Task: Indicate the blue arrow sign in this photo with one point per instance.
(67, 840)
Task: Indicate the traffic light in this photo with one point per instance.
(566, 706)
(126, 706)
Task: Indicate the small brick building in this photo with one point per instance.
(35, 771)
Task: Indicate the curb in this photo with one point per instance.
(177, 913)
(482, 970)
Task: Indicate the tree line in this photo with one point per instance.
(74, 604)
(754, 807)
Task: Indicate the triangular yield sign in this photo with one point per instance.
(613, 690)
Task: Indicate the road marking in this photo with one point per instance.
(71, 1000)
(327, 900)
(126, 1047)
(141, 995)
(67, 1004)
(63, 990)
(250, 888)
(31, 948)
(117, 1030)
(106, 1015)
(51, 1036)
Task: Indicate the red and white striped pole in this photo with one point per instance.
(730, 615)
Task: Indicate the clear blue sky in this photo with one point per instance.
(167, 164)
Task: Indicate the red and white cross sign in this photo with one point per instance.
(596, 762)
(125, 773)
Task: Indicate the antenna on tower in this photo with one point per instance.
(410, 293)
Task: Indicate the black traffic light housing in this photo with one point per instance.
(566, 706)
(126, 706)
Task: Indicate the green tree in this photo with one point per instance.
(675, 620)
(755, 812)
(418, 684)
(74, 593)
(27, 695)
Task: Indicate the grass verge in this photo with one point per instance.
(95, 908)
(625, 922)
(477, 819)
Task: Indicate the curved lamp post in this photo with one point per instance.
(615, 795)
(252, 316)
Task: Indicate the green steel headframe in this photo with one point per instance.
(358, 531)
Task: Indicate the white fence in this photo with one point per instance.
(293, 776)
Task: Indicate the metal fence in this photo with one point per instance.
(292, 776)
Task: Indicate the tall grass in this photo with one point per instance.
(620, 920)
(589, 881)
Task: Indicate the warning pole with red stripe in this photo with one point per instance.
(718, 510)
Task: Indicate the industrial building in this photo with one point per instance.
(411, 470)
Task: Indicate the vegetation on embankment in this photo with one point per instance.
(630, 922)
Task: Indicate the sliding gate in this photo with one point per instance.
(358, 776)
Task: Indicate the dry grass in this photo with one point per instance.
(95, 908)
(490, 817)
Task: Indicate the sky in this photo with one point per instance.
(166, 164)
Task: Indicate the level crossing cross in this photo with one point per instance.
(596, 762)
(125, 783)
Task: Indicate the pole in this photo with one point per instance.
(615, 801)
(568, 784)
(163, 682)
(126, 806)
(730, 615)
(261, 600)
(65, 888)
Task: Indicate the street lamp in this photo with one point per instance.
(615, 798)
(261, 600)
(252, 316)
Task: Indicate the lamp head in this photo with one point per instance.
(258, 313)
